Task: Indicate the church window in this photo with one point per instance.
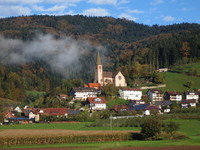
(99, 67)
(119, 77)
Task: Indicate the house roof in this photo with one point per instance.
(120, 107)
(96, 100)
(156, 91)
(84, 89)
(163, 103)
(173, 93)
(188, 101)
(152, 107)
(130, 89)
(9, 115)
(63, 95)
(73, 111)
(139, 107)
(108, 74)
(54, 111)
(190, 92)
(94, 85)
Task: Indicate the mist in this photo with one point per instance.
(62, 55)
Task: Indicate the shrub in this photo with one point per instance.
(151, 127)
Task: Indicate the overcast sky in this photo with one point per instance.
(162, 12)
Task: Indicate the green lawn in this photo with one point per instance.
(189, 127)
(187, 67)
(67, 126)
(176, 81)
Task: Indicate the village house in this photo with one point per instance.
(96, 103)
(192, 95)
(163, 105)
(63, 96)
(162, 70)
(146, 108)
(173, 96)
(155, 95)
(104, 78)
(83, 93)
(188, 103)
(130, 93)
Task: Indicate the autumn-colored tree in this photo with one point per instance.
(185, 50)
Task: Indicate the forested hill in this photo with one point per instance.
(135, 49)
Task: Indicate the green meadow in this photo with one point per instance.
(189, 127)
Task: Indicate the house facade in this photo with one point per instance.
(83, 93)
(188, 103)
(96, 103)
(192, 95)
(155, 95)
(130, 93)
(104, 78)
(173, 96)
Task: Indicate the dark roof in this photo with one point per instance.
(139, 107)
(84, 89)
(19, 119)
(130, 89)
(152, 107)
(73, 111)
(188, 101)
(163, 103)
(189, 92)
(98, 59)
(108, 74)
(173, 93)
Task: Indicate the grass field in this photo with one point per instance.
(187, 67)
(176, 81)
(189, 127)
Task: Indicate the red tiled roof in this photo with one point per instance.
(55, 111)
(96, 100)
(93, 85)
(120, 107)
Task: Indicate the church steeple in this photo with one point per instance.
(98, 70)
(98, 59)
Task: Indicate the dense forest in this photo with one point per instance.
(135, 49)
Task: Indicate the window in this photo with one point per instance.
(119, 77)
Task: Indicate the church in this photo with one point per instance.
(105, 78)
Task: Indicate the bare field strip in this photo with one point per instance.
(51, 132)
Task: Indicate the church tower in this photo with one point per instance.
(99, 70)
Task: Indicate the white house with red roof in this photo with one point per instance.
(96, 103)
(130, 93)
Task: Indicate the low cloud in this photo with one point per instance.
(61, 55)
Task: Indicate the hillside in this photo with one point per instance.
(54, 53)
